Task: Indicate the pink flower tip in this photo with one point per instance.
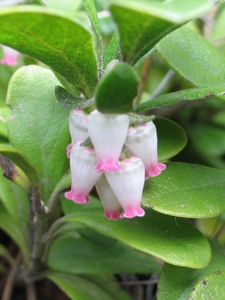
(155, 170)
(109, 166)
(78, 198)
(112, 215)
(132, 212)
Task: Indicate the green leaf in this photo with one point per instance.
(63, 183)
(208, 141)
(211, 287)
(187, 95)
(183, 245)
(13, 229)
(117, 89)
(92, 13)
(191, 191)
(177, 282)
(39, 125)
(55, 40)
(142, 24)
(136, 119)
(96, 253)
(112, 50)
(69, 207)
(78, 288)
(192, 57)
(33, 2)
(171, 138)
(69, 101)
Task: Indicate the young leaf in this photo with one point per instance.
(17, 168)
(112, 50)
(57, 41)
(96, 253)
(39, 125)
(142, 24)
(92, 13)
(187, 95)
(69, 101)
(191, 191)
(179, 282)
(183, 244)
(116, 90)
(193, 57)
(78, 288)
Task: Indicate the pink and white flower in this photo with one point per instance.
(107, 133)
(77, 127)
(108, 198)
(9, 56)
(127, 184)
(84, 177)
(142, 142)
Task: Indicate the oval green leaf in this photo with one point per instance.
(142, 24)
(116, 90)
(192, 57)
(185, 190)
(39, 125)
(55, 40)
(178, 282)
(183, 244)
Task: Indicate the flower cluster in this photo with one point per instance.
(118, 181)
(9, 56)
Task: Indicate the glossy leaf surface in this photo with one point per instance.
(191, 191)
(183, 245)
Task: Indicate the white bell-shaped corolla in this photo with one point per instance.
(84, 177)
(127, 184)
(107, 133)
(142, 142)
(108, 198)
(77, 127)
(9, 56)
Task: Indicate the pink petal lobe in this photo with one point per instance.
(112, 215)
(78, 198)
(132, 212)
